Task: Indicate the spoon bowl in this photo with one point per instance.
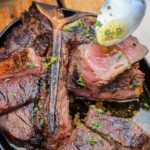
(118, 19)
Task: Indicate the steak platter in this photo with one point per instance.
(51, 68)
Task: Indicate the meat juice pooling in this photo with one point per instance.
(118, 19)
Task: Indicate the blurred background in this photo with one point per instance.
(11, 9)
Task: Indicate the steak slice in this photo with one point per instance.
(21, 63)
(84, 139)
(16, 92)
(18, 126)
(99, 65)
(120, 130)
(34, 31)
(128, 85)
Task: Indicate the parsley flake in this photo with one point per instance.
(17, 62)
(84, 139)
(30, 65)
(41, 121)
(101, 110)
(146, 105)
(95, 124)
(98, 23)
(14, 94)
(81, 80)
(108, 32)
(52, 60)
(94, 141)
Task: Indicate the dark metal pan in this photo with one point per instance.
(142, 107)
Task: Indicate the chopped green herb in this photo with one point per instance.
(95, 124)
(69, 28)
(76, 24)
(87, 33)
(119, 31)
(52, 60)
(79, 23)
(108, 137)
(41, 121)
(120, 56)
(14, 94)
(90, 132)
(101, 110)
(133, 86)
(30, 65)
(146, 105)
(108, 32)
(82, 33)
(81, 81)
(98, 23)
(94, 141)
(17, 62)
(84, 139)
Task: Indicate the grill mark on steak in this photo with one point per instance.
(84, 139)
(14, 96)
(22, 119)
(18, 126)
(120, 130)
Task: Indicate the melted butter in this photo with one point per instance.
(111, 32)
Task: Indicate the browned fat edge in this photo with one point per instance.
(56, 17)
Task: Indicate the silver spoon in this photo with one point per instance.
(118, 19)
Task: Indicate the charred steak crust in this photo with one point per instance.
(120, 130)
(93, 67)
(127, 85)
(84, 139)
(19, 127)
(16, 92)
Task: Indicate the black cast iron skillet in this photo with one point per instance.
(4, 143)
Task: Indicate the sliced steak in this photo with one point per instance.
(128, 85)
(84, 139)
(120, 130)
(99, 65)
(16, 92)
(24, 62)
(34, 27)
(19, 127)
